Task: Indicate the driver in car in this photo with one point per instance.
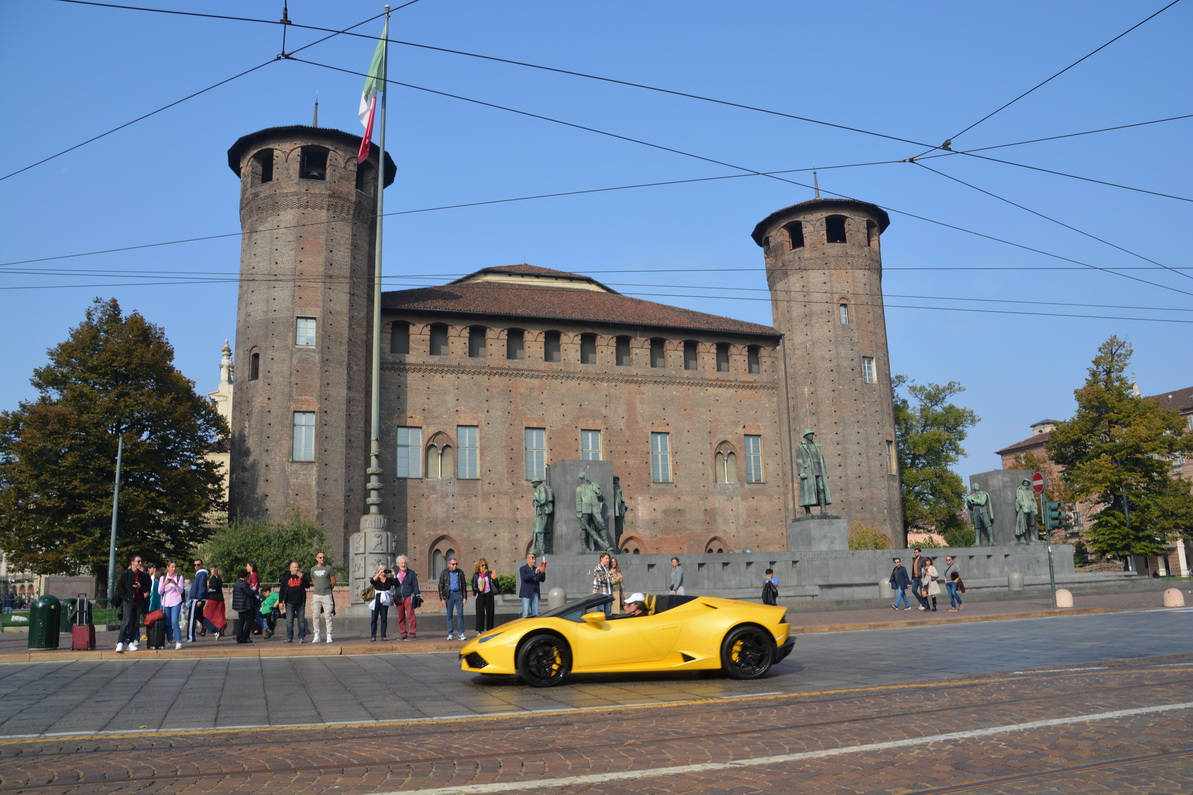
(635, 605)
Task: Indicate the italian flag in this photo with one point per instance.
(374, 84)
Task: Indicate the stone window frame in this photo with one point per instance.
(725, 463)
(439, 457)
(869, 370)
(305, 330)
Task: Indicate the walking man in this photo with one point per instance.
(133, 590)
(950, 582)
(453, 594)
(899, 582)
(917, 574)
(323, 579)
(198, 600)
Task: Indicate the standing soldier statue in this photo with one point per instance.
(544, 506)
(981, 513)
(1026, 510)
(813, 478)
(588, 511)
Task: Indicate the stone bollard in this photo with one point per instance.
(884, 589)
(1174, 598)
(1064, 597)
(556, 597)
(1015, 581)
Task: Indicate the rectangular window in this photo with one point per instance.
(590, 445)
(536, 453)
(869, 375)
(660, 457)
(304, 436)
(753, 459)
(844, 314)
(468, 454)
(410, 446)
(304, 331)
(892, 460)
(623, 351)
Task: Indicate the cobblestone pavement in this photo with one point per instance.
(1080, 703)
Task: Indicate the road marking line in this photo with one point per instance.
(627, 775)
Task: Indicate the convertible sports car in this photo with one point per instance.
(678, 633)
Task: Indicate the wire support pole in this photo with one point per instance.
(374, 486)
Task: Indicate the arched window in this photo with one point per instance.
(658, 355)
(254, 365)
(313, 164)
(476, 342)
(399, 337)
(795, 234)
(440, 458)
(588, 349)
(551, 347)
(514, 343)
(726, 463)
(871, 234)
(834, 229)
(716, 544)
(689, 354)
(722, 357)
(438, 339)
(442, 551)
(261, 169)
(753, 363)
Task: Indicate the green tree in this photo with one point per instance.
(269, 543)
(1116, 451)
(929, 430)
(113, 377)
(866, 535)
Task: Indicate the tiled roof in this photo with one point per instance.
(589, 304)
(524, 269)
(1032, 441)
(1177, 400)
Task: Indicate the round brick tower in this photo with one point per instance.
(300, 421)
(824, 268)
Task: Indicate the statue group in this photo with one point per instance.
(981, 514)
(594, 535)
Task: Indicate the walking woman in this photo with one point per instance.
(215, 610)
(617, 582)
(171, 587)
(484, 589)
(929, 587)
(383, 585)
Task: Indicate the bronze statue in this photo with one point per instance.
(544, 506)
(619, 512)
(981, 514)
(588, 511)
(1026, 510)
(813, 477)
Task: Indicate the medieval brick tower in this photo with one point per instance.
(824, 269)
(301, 416)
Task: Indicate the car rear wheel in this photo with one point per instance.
(747, 653)
(544, 661)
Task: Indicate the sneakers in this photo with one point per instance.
(177, 646)
(131, 647)
(218, 634)
(923, 608)
(329, 638)
(268, 633)
(120, 648)
(451, 637)
(894, 607)
(316, 640)
(909, 607)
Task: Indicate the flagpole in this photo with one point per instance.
(374, 487)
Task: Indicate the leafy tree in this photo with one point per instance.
(113, 377)
(866, 535)
(1116, 451)
(959, 536)
(269, 543)
(930, 430)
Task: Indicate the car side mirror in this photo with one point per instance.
(595, 618)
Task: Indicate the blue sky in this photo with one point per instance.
(876, 84)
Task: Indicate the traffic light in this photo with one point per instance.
(1055, 515)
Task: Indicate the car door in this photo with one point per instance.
(624, 642)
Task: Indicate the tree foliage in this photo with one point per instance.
(269, 543)
(114, 376)
(929, 430)
(1116, 451)
(866, 535)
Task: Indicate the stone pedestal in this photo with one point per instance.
(563, 477)
(818, 532)
(369, 548)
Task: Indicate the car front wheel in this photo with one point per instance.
(747, 653)
(544, 661)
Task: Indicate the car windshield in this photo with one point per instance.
(575, 610)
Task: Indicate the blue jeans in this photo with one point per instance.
(173, 632)
(901, 596)
(954, 596)
(530, 605)
(455, 606)
(296, 613)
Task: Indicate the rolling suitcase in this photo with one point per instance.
(157, 635)
(82, 631)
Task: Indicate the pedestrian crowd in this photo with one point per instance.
(924, 582)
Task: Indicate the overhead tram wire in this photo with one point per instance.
(279, 57)
(946, 145)
(645, 87)
(1066, 226)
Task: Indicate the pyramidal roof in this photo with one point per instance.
(528, 291)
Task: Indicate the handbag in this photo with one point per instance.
(155, 616)
(960, 585)
(368, 593)
(416, 601)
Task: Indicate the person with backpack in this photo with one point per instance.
(770, 588)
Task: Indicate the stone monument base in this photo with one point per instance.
(818, 532)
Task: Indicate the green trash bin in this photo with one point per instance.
(44, 618)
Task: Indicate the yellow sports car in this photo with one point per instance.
(675, 633)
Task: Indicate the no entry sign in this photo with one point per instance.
(1037, 482)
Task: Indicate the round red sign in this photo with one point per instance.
(1037, 483)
